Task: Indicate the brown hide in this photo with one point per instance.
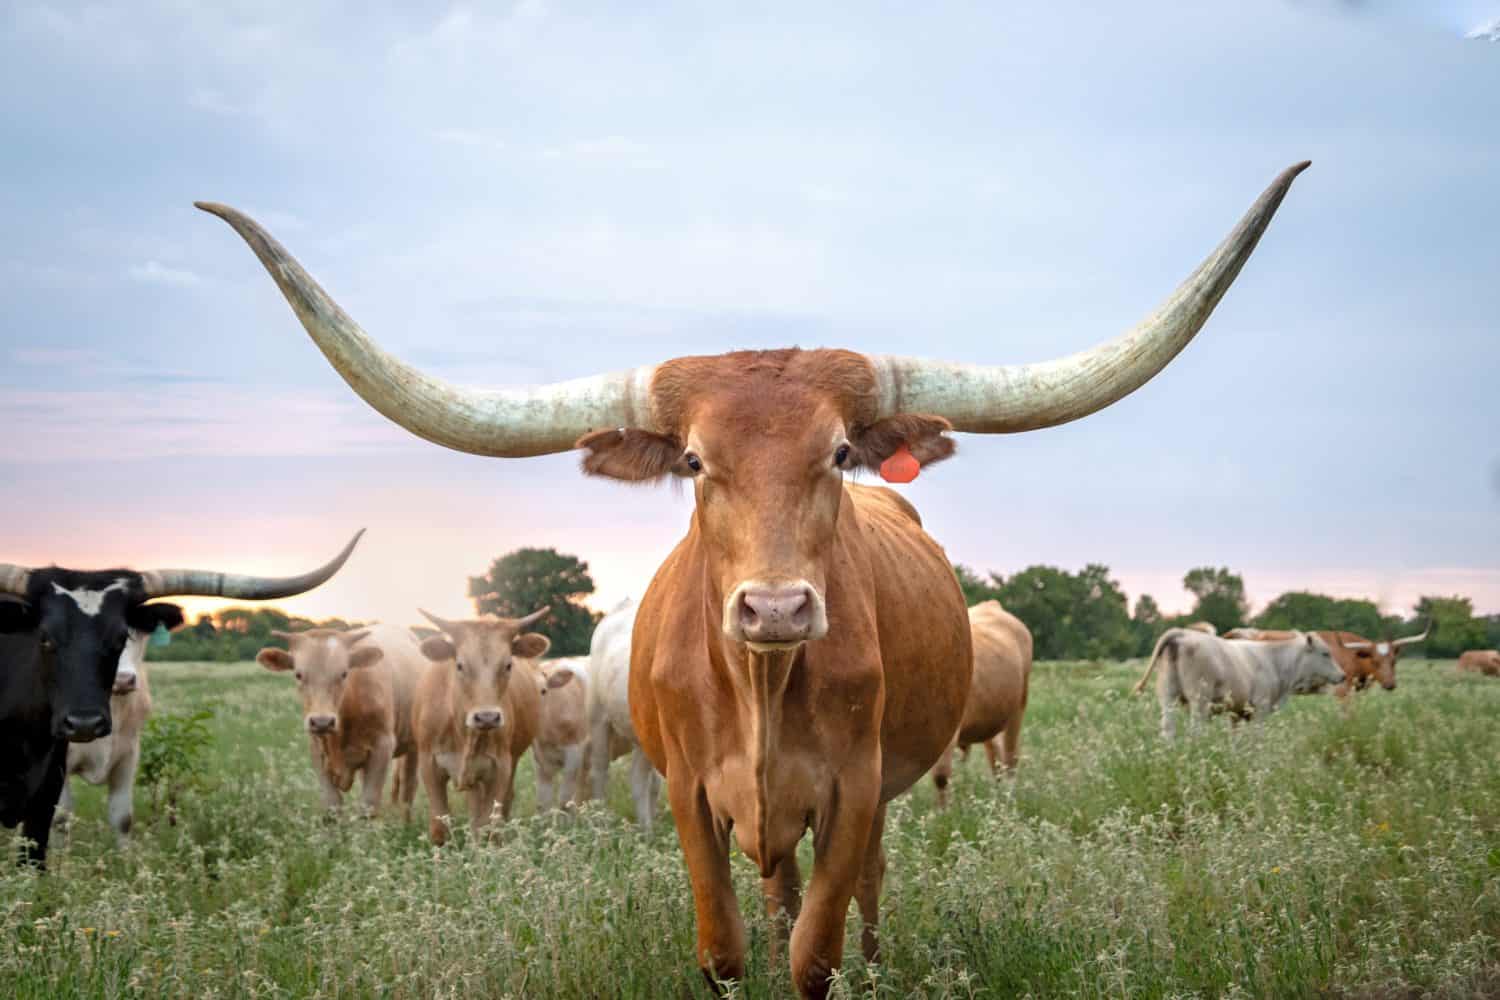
(997, 694)
(1484, 661)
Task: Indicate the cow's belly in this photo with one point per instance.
(91, 761)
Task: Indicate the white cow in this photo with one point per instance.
(562, 733)
(114, 758)
(1246, 678)
(610, 733)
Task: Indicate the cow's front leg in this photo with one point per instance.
(63, 812)
(569, 791)
(645, 786)
(481, 795)
(372, 781)
(505, 784)
(435, 780)
(328, 788)
(546, 780)
(867, 893)
(942, 774)
(705, 850)
(842, 838)
(36, 825)
(406, 784)
(122, 794)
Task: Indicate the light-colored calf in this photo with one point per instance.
(563, 731)
(472, 723)
(611, 734)
(1483, 661)
(113, 759)
(1245, 678)
(357, 690)
(997, 693)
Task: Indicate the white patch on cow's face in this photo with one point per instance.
(132, 660)
(90, 601)
(1383, 648)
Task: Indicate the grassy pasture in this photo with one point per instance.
(1323, 854)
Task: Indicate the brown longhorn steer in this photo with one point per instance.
(1481, 661)
(802, 656)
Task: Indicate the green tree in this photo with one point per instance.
(522, 581)
(976, 589)
(1146, 624)
(1454, 627)
(1071, 616)
(1315, 612)
(1220, 596)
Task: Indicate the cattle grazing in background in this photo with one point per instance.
(60, 646)
(113, 759)
(357, 687)
(562, 734)
(611, 733)
(997, 693)
(1482, 661)
(803, 655)
(1364, 660)
(1207, 628)
(1248, 680)
(1260, 634)
(472, 723)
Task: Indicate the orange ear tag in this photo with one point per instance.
(901, 467)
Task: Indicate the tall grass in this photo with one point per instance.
(1322, 854)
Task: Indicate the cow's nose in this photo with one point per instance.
(775, 614)
(322, 723)
(486, 718)
(80, 727)
(124, 683)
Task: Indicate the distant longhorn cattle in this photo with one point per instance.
(1483, 661)
(802, 656)
(562, 734)
(472, 723)
(60, 647)
(357, 687)
(997, 694)
(611, 733)
(1364, 660)
(1249, 680)
(113, 759)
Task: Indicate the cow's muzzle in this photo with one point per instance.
(81, 727)
(320, 725)
(764, 614)
(124, 684)
(485, 719)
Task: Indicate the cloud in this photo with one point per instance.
(156, 273)
(472, 138)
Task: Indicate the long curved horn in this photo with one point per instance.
(13, 579)
(1398, 643)
(442, 624)
(513, 423)
(985, 399)
(535, 616)
(203, 583)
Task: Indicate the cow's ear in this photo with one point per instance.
(365, 656)
(437, 648)
(16, 616)
(925, 436)
(530, 646)
(278, 660)
(148, 617)
(558, 678)
(631, 455)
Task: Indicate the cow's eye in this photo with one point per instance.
(47, 644)
(841, 456)
(693, 462)
(343, 675)
(297, 674)
(459, 664)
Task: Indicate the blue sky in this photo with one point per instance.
(533, 191)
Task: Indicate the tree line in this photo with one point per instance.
(1086, 616)
(1072, 616)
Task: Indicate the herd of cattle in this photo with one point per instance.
(802, 657)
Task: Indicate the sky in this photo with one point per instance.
(540, 190)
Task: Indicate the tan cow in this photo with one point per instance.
(113, 759)
(803, 655)
(997, 694)
(1483, 661)
(472, 723)
(357, 687)
(562, 735)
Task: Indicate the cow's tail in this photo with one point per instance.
(1165, 646)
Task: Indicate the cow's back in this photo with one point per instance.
(1484, 661)
(1002, 671)
(609, 668)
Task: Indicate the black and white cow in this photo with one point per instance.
(61, 634)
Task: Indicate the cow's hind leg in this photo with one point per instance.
(599, 760)
(942, 774)
(645, 787)
(404, 786)
(783, 894)
(840, 844)
(705, 849)
(867, 892)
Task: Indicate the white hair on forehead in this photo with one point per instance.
(1382, 648)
